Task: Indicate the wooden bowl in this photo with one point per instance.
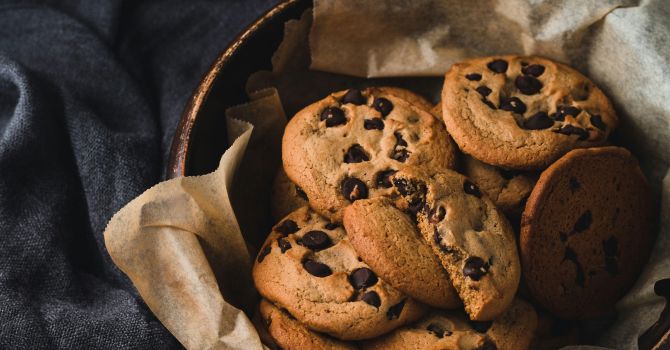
(201, 137)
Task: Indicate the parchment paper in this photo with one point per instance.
(180, 241)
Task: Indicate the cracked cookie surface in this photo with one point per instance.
(523, 112)
(343, 148)
(472, 238)
(390, 242)
(308, 267)
(586, 232)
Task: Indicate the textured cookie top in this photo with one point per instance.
(586, 232)
(523, 112)
(344, 147)
(288, 333)
(390, 242)
(308, 267)
(472, 238)
(508, 189)
(451, 329)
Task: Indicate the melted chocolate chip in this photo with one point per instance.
(612, 266)
(372, 298)
(315, 240)
(528, 85)
(331, 226)
(287, 227)
(383, 106)
(584, 222)
(570, 255)
(373, 124)
(385, 178)
(611, 247)
(362, 278)
(437, 215)
(402, 187)
(353, 96)
(563, 111)
(437, 238)
(498, 66)
(481, 326)
(284, 245)
(563, 235)
(472, 189)
(579, 277)
(264, 253)
(403, 156)
(597, 121)
(538, 121)
(475, 268)
(535, 70)
(574, 184)
(474, 77)
(354, 189)
(561, 328)
(416, 207)
(317, 269)
(395, 310)
(356, 155)
(510, 174)
(399, 141)
(489, 103)
(333, 116)
(515, 105)
(438, 330)
(300, 193)
(483, 90)
(573, 130)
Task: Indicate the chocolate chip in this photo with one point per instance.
(356, 155)
(333, 116)
(563, 111)
(317, 269)
(385, 178)
(579, 278)
(402, 187)
(474, 77)
(611, 247)
(488, 346)
(373, 124)
(403, 156)
(284, 245)
(315, 240)
(498, 66)
(475, 268)
(563, 235)
(372, 298)
(416, 207)
(515, 105)
(331, 226)
(584, 222)
(483, 90)
(399, 141)
(535, 70)
(573, 130)
(481, 326)
(362, 278)
(287, 227)
(353, 96)
(574, 184)
(437, 238)
(597, 121)
(472, 189)
(611, 266)
(300, 193)
(528, 85)
(395, 310)
(264, 253)
(510, 174)
(570, 255)
(489, 103)
(354, 189)
(383, 106)
(538, 121)
(561, 328)
(438, 330)
(437, 215)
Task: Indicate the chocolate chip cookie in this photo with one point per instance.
(285, 197)
(508, 189)
(586, 232)
(389, 241)
(451, 329)
(523, 112)
(413, 98)
(308, 267)
(472, 238)
(344, 147)
(287, 333)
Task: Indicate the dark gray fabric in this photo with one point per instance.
(90, 96)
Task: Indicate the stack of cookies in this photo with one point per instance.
(394, 215)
